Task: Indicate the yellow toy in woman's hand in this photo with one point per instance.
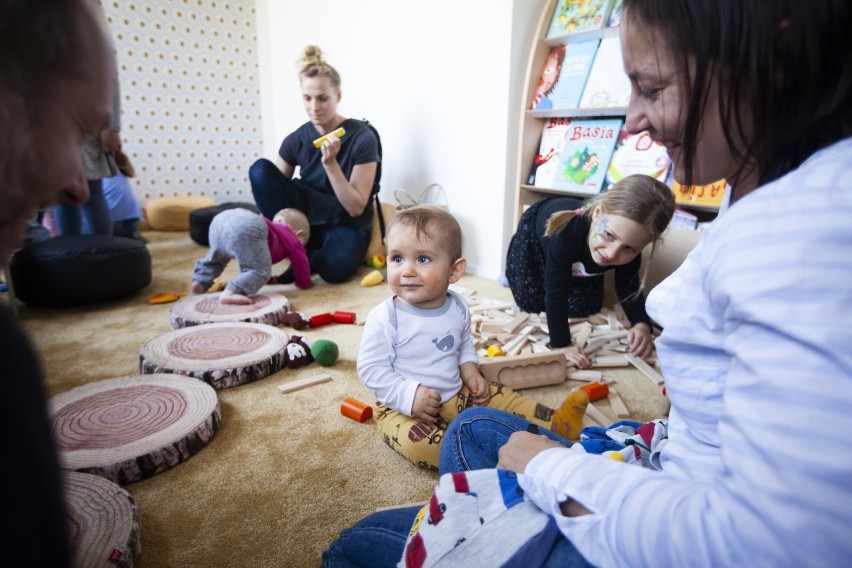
(336, 133)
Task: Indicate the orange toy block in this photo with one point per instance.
(356, 410)
(596, 391)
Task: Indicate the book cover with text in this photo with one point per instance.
(574, 64)
(607, 85)
(575, 16)
(586, 152)
(544, 165)
(637, 154)
(709, 195)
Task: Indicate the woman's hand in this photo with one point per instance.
(576, 357)
(426, 404)
(640, 341)
(330, 147)
(521, 448)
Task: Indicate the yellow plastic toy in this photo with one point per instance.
(337, 133)
(377, 261)
(372, 279)
(495, 351)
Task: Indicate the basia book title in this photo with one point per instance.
(600, 132)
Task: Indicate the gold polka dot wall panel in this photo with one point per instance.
(188, 72)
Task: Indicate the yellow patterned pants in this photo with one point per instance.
(420, 442)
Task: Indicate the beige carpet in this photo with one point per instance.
(286, 472)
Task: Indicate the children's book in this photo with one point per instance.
(607, 85)
(575, 16)
(552, 140)
(683, 219)
(585, 153)
(704, 195)
(615, 14)
(573, 62)
(637, 154)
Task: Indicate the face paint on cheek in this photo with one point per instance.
(597, 232)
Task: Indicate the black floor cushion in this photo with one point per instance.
(80, 269)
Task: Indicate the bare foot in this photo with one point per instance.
(197, 288)
(229, 297)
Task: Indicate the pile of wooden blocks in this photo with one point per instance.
(512, 348)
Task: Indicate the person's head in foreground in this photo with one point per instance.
(55, 90)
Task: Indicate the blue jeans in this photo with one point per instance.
(69, 218)
(335, 250)
(471, 442)
(378, 540)
(473, 439)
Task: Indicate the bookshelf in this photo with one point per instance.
(531, 122)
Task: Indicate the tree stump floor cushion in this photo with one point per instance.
(103, 521)
(222, 355)
(129, 428)
(171, 213)
(206, 308)
(200, 219)
(74, 270)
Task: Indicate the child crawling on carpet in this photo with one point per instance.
(256, 244)
(416, 353)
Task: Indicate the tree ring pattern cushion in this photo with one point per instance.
(200, 219)
(171, 213)
(75, 270)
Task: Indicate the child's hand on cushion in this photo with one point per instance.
(426, 404)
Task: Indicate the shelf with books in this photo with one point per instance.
(605, 96)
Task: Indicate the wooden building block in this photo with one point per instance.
(645, 368)
(514, 325)
(584, 375)
(513, 346)
(525, 371)
(610, 361)
(617, 404)
(303, 383)
(598, 416)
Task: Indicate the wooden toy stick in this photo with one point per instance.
(516, 323)
(610, 361)
(598, 416)
(645, 368)
(302, 383)
(513, 346)
(584, 375)
(617, 404)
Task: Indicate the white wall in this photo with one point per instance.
(439, 79)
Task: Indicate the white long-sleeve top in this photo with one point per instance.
(757, 355)
(422, 346)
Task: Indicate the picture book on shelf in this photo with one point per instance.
(637, 154)
(607, 85)
(683, 219)
(709, 195)
(575, 16)
(564, 76)
(552, 140)
(582, 155)
(615, 14)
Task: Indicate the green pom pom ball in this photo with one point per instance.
(325, 352)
